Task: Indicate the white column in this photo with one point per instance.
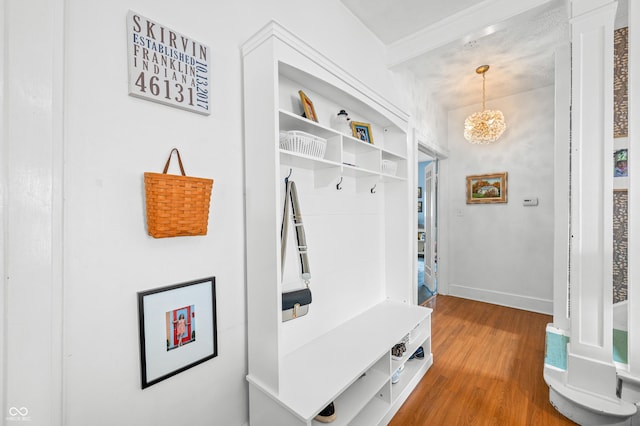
(634, 190)
(561, 188)
(31, 139)
(590, 365)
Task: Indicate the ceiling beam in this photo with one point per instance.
(472, 23)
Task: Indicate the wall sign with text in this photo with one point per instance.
(166, 66)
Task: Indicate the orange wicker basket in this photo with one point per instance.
(176, 205)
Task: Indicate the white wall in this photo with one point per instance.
(429, 118)
(30, 166)
(92, 143)
(503, 253)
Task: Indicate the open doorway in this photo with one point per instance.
(427, 225)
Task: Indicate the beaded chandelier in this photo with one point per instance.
(486, 126)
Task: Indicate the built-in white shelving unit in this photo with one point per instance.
(358, 218)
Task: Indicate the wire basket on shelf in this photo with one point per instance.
(389, 167)
(303, 143)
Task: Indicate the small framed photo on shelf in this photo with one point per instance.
(362, 131)
(177, 326)
(307, 105)
(489, 188)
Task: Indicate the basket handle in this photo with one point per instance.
(166, 166)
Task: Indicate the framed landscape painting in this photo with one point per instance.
(488, 188)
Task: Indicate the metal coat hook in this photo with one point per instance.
(373, 190)
(338, 187)
(287, 178)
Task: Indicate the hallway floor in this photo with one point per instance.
(487, 369)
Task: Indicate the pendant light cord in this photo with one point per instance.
(483, 108)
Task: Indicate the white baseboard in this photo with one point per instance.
(526, 303)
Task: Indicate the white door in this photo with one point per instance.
(429, 227)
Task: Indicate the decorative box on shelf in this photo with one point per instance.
(303, 143)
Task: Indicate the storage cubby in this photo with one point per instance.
(346, 155)
(355, 203)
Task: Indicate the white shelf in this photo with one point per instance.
(372, 413)
(296, 369)
(412, 346)
(364, 339)
(384, 177)
(338, 94)
(357, 146)
(392, 156)
(290, 121)
(410, 368)
(348, 170)
(296, 159)
(353, 400)
(357, 158)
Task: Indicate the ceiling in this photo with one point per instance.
(391, 20)
(520, 49)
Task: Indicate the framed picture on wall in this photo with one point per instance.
(177, 326)
(620, 160)
(489, 188)
(419, 192)
(307, 105)
(362, 131)
(419, 206)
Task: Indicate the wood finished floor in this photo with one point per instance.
(487, 369)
